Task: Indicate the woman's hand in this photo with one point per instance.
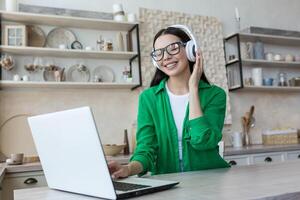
(117, 170)
(197, 72)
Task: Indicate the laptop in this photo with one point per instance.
(72, 157)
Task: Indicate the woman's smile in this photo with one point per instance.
(171, 65)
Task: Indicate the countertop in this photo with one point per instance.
(244, 182)
(252, 149)
(123, 159)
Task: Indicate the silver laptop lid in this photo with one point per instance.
(71, 153)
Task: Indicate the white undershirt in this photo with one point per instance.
(178, 105)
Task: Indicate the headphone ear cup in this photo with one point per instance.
(190, 51)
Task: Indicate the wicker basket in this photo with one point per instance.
(289, 136)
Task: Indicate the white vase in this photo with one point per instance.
(11, 5)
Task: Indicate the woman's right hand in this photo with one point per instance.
(117, 170)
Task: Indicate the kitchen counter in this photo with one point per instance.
(27, 167)
(244, 182)
(36, 166)
(253, 149)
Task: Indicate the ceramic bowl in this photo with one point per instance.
(112, 149)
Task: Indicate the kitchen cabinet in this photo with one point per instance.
(260, 158)
(239, 66)
(89, 24)
(21, 180)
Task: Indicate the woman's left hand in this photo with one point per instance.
(197, 72)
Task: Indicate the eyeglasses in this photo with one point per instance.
(171, 49)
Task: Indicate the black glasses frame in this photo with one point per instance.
(162, 50)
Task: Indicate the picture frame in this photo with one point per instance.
(15, 35)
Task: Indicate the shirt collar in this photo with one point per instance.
(161, 86)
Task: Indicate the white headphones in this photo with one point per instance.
(190, 48)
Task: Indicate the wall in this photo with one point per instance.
(273, 109)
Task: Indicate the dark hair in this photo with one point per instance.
(159, 75)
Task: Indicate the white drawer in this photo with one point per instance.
(238, 160)
(293, 155)
(268, 158)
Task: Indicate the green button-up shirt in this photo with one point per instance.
(157, 139)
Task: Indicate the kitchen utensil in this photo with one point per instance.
(244, 126)
(36, 36)
(59, 36)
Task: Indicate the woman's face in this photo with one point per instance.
(172, 65)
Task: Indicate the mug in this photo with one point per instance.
(16, 158)
(25, 78)
(237, 139)
(16, 77)
(131, 17)
(62, 46)
(268, 81)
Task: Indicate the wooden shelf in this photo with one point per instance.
(271, 39)
(65, 21)
(71, 85)
(266, 63)
(233, 61)
(272, 88)
(72, 53)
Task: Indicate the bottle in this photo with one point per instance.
(126, 142)
(133, 135)
(100, 44)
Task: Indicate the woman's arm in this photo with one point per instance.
(194, 101)
(204, 128)
(121, 171)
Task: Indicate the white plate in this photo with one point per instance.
(78, 74)
(60, 36)
(104, 74)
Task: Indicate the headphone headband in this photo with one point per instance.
(188, 32)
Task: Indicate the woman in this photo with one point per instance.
(180, 117)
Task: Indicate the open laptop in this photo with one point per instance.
(72, 157)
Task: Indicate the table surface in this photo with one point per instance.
(244, 182)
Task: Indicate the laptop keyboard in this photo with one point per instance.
(127, 186)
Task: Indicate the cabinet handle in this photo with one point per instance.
(30, 181)
(268, 159)
(232, 162)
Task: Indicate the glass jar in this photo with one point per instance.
(282, 79)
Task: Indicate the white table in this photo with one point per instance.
(245, 182)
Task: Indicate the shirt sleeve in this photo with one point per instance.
(146, 148)
(205, 132)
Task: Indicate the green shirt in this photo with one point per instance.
(157, 139)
